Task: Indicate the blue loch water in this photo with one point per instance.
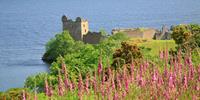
(26, 25)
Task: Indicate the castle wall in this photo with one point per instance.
(92, 37)
(136, 32)
(149, 34)
(74, 29)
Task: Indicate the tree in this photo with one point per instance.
(126, 54)
(187, 36)
(61, 45)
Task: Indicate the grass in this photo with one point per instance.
(150, 48)
(157, 45)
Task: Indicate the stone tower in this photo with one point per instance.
(77, 28)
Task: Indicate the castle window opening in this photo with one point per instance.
(85, 30)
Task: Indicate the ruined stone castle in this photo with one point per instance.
(79, 30)
(145, 33)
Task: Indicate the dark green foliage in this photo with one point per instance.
(187, 36)
(36, 81)
(126, 54)
(12, 94)
(59, 46)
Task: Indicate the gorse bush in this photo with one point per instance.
(187, 36)
(126, 54)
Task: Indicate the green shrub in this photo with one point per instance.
(61, 45)
(126, 54)
(187, 36)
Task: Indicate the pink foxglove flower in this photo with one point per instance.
(124, 94)
(24, 95)
(126, 84)
(160, 81)
(100, 67)
(80, 87)
(80, 82)
(166, 73)
(103, 78)
(119, 84)
(60, 85)
(192, 71)
(141, 69)
(63, 65)
(185, 81)
(50, 91)
(71, 86)
(167, 95)
(161, 54)
(154, 78)
(197, 87)
(108, 90)
(66, 82)
(116, 96)
(35, 95)
(199, 72)
(166, 54)
(109, 72)
(46, 87)
(95, 83)
(87, 84)
(132, 72)
(102, 90)
(180, 69)
(113, 82)
(171, 81)
(141, 81)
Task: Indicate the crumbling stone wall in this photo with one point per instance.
(137, 32)
(149, 34)
(92, 37)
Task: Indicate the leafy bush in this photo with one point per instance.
(12, 94)
(36, 81)
(61, 45)
(126, 54)
(187, 36)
